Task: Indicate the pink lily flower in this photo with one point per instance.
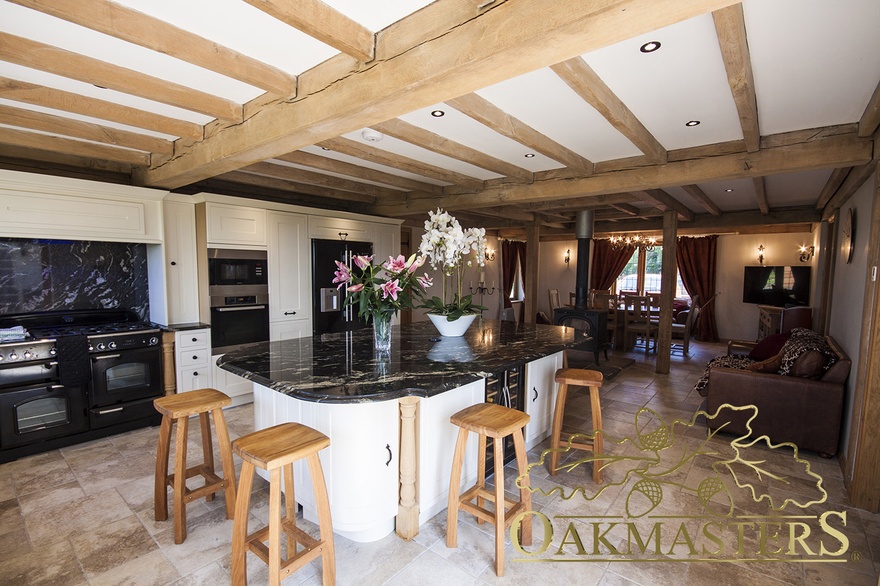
(425, 281)
(363, 261)
(417, 263)
(356, 288)
(395, 265)
(391, 288)
(342, 275)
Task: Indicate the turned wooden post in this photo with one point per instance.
(408, 508)
(169, 371)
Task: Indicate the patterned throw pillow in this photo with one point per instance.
(730, 361)
(803, 340)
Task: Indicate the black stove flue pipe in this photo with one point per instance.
(584, 234)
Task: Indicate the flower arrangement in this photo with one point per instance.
(382, 289)
(447, 246)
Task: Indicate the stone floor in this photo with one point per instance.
(83, 514)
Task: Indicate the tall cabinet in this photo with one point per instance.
(289, 276)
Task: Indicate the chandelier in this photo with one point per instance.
(635, 240)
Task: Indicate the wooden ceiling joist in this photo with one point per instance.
(488, 114)
(322, 22)
(731, 29)
(870, 119)
(28, 160)
(703, 199)
(589, 86)
(284, 185)
(58, 144)
(854, 180)
(663, 201)
(627, 209)
(421, 62)
(301, 176)
(761, 194)
(729, 222)
(36, 55)
(831, 186)
(84, 130)
(138, 28)
(29, 93)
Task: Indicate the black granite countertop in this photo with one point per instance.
(183, 327)
(343, 368)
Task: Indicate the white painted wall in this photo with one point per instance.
(553, 273)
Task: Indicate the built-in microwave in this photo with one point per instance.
(236, 267)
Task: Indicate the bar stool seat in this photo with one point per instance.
(275, 449)
(177, 409)
(584, 378)
(496, 422)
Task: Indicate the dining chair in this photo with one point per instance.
(609, 302)
(554, 298)
(637, 320)
(685, 327)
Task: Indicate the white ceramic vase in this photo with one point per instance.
(452, 329)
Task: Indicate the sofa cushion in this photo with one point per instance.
(728, 361)
(770, 365)
(801, 341)
(769, 347)
(810, 364)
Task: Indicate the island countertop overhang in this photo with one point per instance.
(343, 367)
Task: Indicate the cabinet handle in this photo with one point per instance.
(289, 313)
(388, 447)
(108, 411)
(195, 339)
(173, 263)
(195, 357)
(195, 373)
(535, 398)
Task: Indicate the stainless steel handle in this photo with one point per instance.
(56, 387)
(51, 364)
(106, 356)
(106, 411)
(248, 308)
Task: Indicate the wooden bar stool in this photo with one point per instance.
(177, 409)
(273, 449)
(583, 378)
(496, 422)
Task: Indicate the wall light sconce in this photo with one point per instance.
(567, 257)
(489, 254)
(760, 254)
(807, 253)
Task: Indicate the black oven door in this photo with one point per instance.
(37, 413)
(235, 325)
(126, 376)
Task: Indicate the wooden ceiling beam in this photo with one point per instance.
(281, 184)
(589, 86)
(322, 22)
(355, 149)
(577, 203)
(730, 27)
(57, 144)
(854, 180)
(490, 115)
(420, 62)
(36, 55)
(823, 153)
(62, 126)
(663, 201)
(870, 119)
(435, 143)
(627, 209)
(703, 199)
(832, 185)
(358, 171)
(29, 93)
(761, 193)
(303, 176)
(138, 28)
(730, 221)
(19, 158)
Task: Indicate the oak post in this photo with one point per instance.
(407, 524)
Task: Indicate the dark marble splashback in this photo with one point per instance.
(44, 275)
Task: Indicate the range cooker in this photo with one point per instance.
(77, 376)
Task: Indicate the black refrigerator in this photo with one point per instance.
(328, 311)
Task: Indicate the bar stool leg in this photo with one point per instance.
(240, 524)
(225, 460)
(207, 448)
(275, 527)
(525, 495)
(498, 444)
(160, 493)
(481, 472)
(180, 481)
(454, 488)
(325, 522)
(289, 507)
(555, 437)
(597, 434)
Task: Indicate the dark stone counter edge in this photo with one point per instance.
(184, 327)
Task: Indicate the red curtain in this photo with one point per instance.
(509, 256)
(696, 263)
(608, 263)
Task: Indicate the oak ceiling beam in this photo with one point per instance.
(730, 27)
(36, 55)
(703, 199)
(19, 158)
(627, 209)
(730, 221)
(824, 153)
(854, 180)
(62, 126)
(138, 28)
(577, 203)
(279, 184)
(29, 93)
(870, 119)
(832, 185)
(664, 202)
(761, 193)
(56, 144)
(433, 142)
(589, 86)
(322, 22)
(355, 149)
(358, 171)
(302, 176)
(420, 62)
(490, 115)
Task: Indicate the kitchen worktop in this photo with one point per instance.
(343, 368)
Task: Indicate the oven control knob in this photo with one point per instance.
(101, 346)
(1, 358)
(154, 340)
(53, 351)
(111, 345)
(13, 356)
(27, 355)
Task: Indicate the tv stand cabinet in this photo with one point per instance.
(769, 320)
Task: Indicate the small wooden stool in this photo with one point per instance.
(497, 422)
(177, 409)
(274, 449)
(583, 378)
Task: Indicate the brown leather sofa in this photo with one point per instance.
(790, 409)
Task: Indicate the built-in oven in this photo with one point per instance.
(35, 413)
(239, 296)
(126, 375)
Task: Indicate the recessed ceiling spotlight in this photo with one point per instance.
(438, 113)
(324, 149)
(692, 123)
(529, 155)
(650, 47)
(728, 190)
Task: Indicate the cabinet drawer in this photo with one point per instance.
(190, 379)
(354, 230)
(194, 339)
(192, 357)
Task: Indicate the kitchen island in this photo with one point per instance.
(388, 416)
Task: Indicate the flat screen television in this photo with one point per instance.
(781, 286)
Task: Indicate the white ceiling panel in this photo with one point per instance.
(462, 129)
(742, 196)
(815, 62)
(795, 189)
(330, 174)
(370, 165)
(377, 15)
(544, 102)
(684, 80)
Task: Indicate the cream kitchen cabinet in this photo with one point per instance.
(540, 397)
(289, 275)
(340, 229)
(192, 357)
(239, 389)
(181, 270)
(232, 225)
